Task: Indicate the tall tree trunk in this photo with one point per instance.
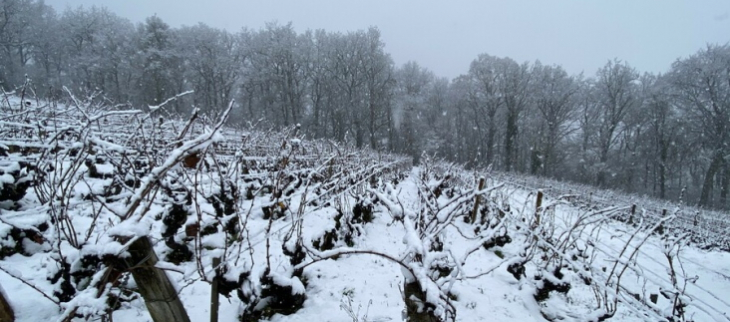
(491, 133)
(371, 123)
(601, 175)
(509, 140)
(709, 182)
(662, 172)
(724, 185)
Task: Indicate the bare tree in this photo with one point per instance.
(212, 62)
(161, 74)
(16, 45)
(617, 94)
(515, 93)
(485, 100)
(413, 85)
(378, 72)
(555, 100)
(702, 83)
(277, 70)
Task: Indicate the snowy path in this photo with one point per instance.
(371, 286)
(375, 285)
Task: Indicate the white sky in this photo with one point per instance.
(446, 35)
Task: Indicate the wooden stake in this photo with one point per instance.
(633, 211)
(415, 298)
(538, 205)
(6, 311)
(159, 295)
(214, 291)
(476, 202)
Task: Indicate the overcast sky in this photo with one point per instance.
(445, 36)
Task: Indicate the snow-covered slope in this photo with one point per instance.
(313, 231)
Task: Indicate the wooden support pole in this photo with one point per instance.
(214, 299)
(633, 212)
(538, 208)
(159, 295)
(476, 202)
(415, 298)
(330, 168)
(6, 311)
(660, 230)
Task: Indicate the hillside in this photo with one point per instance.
(126, 215)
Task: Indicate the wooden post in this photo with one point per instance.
(159, 295)
(214, 291)
(538, 205)
(415, 298)
(6, 311)
(660, 229)
(476, 202)
(695, 222)
(631, 217)
(330, 168)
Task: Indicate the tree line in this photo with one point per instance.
(663, 135)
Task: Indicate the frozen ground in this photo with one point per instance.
(369, 288)
(607, 261)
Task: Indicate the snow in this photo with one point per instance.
(130, 228)
(372, 285)
(6, 179)
(293, 282)
(361, 279)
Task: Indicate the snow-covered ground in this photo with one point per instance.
(370, 287)
(289, 218)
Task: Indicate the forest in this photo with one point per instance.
(660, 135)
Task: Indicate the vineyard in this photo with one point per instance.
(115, 214)
(706, 228)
